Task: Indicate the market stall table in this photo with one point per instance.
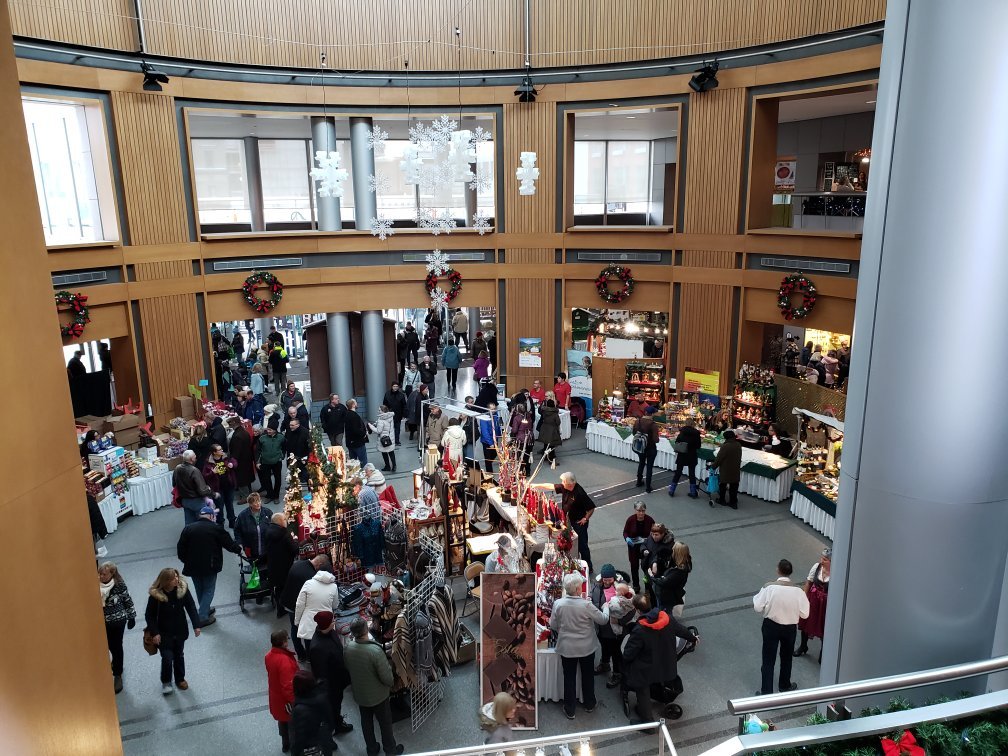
(534, 542)
(108, 508)
(481, 546)
(813, 508)
(549, 676)
(565, 421)
(147, 494)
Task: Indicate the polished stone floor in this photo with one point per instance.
(225, 710)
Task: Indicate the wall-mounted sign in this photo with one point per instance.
(784, 176)
(530, 353)
(702, 381)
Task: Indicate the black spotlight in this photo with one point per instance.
(705, 78)
(153, 79)
(526, 92)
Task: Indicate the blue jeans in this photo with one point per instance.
(226, 503)
(467, 451)
(359, 453)
(191, 508)
(204, 585)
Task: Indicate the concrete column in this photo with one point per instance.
(372, 324)
(253, 180)
(263, 325)
(920, 545)
(324, 139)
(340, 365)
(362, 160)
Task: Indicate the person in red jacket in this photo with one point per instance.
(281, 666)
(562, 389)
(635, 532)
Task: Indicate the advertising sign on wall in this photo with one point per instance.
(508, 643)
(530, 353)
(784, 176)
(702, 381)
(579, 373)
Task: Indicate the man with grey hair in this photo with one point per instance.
(579, 508)
(192, 489)
(574, 619)
(371, 680)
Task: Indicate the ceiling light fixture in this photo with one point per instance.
(705, 78)
(153, 79)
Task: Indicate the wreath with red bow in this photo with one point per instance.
(454, 278)
(792, 284)
(620, 272)
(79, 308)
(267, 279)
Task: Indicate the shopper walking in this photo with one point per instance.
(432, 341)
(635, 532)
(167, 606)
(291, 396)
(490, 434)
(241, 451)
(395, 400)
(296, 441)
(281, 551)
(332, 418)
(200, 444)
(670, 585)
(371, 680)
(385, 428)
(454, 441)
(192, 488)
(687, 447)
(269, 461)
(481, 366)
(522, 436)
(728, 462)
(300, 573)
(782, 604)
(311, 718)
(460, 327)
(656, 555)
(120, 614)
(479, 344)
(320, 594)
(816, 587)
(219, 473)
(428, 373)
(200, 549)
(549, 430)
(326, 659)
(356, 434)
(574, 619)
(411, 343)
(281, 666)
(411, 377)
(414, 405)
(648, 428)
(436, 426)
(451, 358)
(611, 633)
(579, 508)
(496, 716)
(278, 361)
(250, 528)
(491, 343)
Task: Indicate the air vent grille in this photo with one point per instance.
(261, 263)
(805, 265)
(643, 257)
(421, 257)
(75, 279)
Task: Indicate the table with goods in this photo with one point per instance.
(817, 480)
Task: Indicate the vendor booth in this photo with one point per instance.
(816, 484)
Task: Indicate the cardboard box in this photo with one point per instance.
(179, 434)
(147, 453)
(185, 407)
(128, 438)
(91, 421)
(115, 423)
(174, 462)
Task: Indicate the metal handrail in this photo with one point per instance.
(529, 746)
(830, 693)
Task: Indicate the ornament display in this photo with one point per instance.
(382, 227)
(527, 174)
(328, 174)
(267, 279)
(438, 295)
(796, 283)
(609, 272)
(78, 307)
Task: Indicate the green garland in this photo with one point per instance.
(81, 317)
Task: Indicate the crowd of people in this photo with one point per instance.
(809, 363)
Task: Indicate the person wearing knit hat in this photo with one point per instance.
(325, 654)
(323, 622)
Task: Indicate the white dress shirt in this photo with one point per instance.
(782, 602)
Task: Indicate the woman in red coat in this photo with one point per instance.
(281, 666)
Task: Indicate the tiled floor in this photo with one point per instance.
(225, 710)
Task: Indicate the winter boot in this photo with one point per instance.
(692, 491)
(672, 488)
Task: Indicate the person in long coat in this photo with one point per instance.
(241, 452)
(549, 430)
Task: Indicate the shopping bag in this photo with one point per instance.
(253, 581)
(101, 550)
(713, 482)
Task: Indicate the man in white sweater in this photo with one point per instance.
(782, 603)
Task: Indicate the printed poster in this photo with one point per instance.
(508, 643)
(702, 382)
(784, 176)
(579, 373)
(530, 353)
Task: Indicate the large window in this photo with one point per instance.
(589, 178)
(611, 177)
(72, 177)
(221, 181)
(286, 187)
(396, 200)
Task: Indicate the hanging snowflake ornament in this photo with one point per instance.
(381, 227)
(379, 183)
(412, 165)
(461, 155)
(328, 174)
(527, 174)
(482, 182)
(377, 139)
(442, 130)
(479, 136)
(438, 298)
(437, 262)
(481, 223)
(444, 222)
(420, 134)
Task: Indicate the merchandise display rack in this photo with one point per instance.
(647, 379)
(425, 696)
(754, 398)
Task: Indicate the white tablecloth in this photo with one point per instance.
(803, 508)
(147, 494)
(603, 438)
(549, 676)
(565, 421)
(108, 507)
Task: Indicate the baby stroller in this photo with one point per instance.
(253, 581)
(667, 692)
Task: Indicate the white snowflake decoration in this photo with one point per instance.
(482, 182)
(479, 136)
(442, 130)
(328, 174)
(381, 227)
(527, 174)
(412, 165)
(437, 262)
(438, 297)
(462, 154)
(377, 139)
(421, 135)
(481, 223)
(379, 183)
(444, 222)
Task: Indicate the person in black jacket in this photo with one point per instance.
(200, 444)
(326, 657)
(428, 374)
(395, 400)
(250, 527)
(299, 412)
(281, 550)
(200, 549)
(649, 655)
(297, 441)
(300, 573)
(332, 418)
(645, 461)
(311, 721)
(218, 434)
(167, 606)
(411, 343)
(670, 586)
(356, 434)
(690, 437)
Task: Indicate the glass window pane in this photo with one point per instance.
(627, 177)
(64, 172)
(485, 154)
(589, 177)
(397, 200)
(283, 164)
(221, 190)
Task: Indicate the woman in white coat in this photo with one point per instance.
(454, 440)
(320, 594)
(384, 428)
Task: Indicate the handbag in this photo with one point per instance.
(681, 447)
(176, 498)
(254, 581)
(385, 441)
(148, 642)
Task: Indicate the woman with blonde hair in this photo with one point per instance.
(167, 606)
(670, 587)
(119, 614)
(496, 716)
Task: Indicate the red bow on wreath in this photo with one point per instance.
(907, 746)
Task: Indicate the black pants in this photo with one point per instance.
(645, 706)
(774, 636)
(299, 647)
(633, 554)
(489, 455)
(691, 468)
(460, 337)
(583, 551)
(452, 377)
(335, 439)
(383, 713)
(570, 667)
(269, 478)
(114, 632)
(397, 419)
(611, 653)
(389, 459)
(336, 704)
(173, 659)
(645, 466)
(728, 493)
(284, 728)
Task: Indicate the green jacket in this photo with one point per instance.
(370, 672)
(269, 451)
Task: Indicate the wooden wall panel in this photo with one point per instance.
(707, 258)
(648, 295)
(705, 329)
(151, 167)
(531, 127)
(382, 34)
(830, 314)
(530, 312)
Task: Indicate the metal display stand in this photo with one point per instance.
(425, 696)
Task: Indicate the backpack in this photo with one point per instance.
(639, 443)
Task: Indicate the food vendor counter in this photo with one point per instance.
(764, 475)
(813, 508)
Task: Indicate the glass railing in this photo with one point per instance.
(826, 211)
